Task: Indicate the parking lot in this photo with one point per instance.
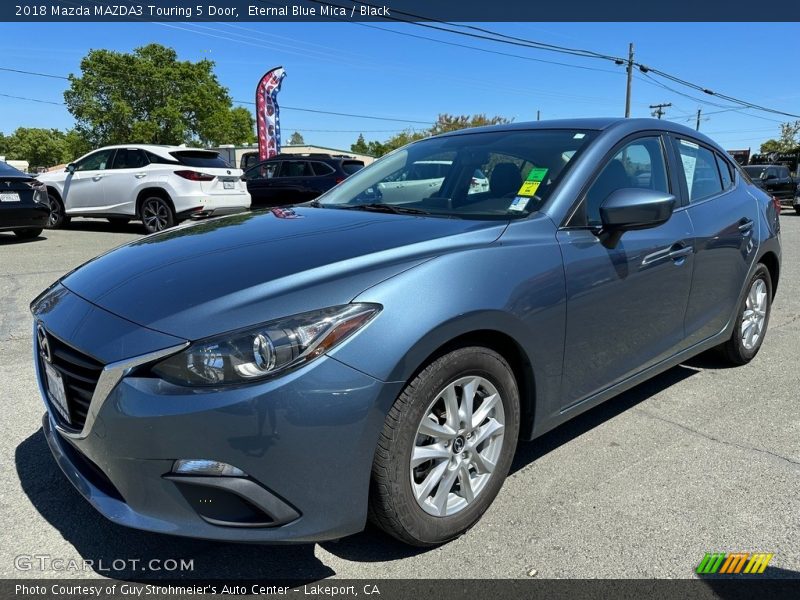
(700, 459)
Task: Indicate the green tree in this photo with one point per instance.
(444, 123)
(40, 147)
(149, 96)
(788, 140)
(296, 139)
(75, 146)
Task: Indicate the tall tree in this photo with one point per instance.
(296, 139)
(788, 140)
(444, 123)
(149, 96)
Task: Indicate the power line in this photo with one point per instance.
(341, 114)
(33, 73)
(32, 99)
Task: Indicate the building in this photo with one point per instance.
(233, 154)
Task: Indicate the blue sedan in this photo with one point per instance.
(280, 376)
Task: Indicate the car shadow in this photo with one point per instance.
(99, 540)
(104, 225)
(528, 452)
(9, 238)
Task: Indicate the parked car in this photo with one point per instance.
(295, 178)
(23, 203)
(776, 180)
(158, 185)
(281, 375)
(424, 179)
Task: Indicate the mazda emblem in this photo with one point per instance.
(44, 345)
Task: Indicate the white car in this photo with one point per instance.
(159, 185)
(423, 178)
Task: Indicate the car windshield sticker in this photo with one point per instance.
(519, 203)
(532, 182)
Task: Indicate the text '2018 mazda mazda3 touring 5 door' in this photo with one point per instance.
(280, 376)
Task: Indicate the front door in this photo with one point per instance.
(83, 189)
(626, 304)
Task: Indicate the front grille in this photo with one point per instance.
(80, 374)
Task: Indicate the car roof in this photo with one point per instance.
(623, 125)
(161, 150)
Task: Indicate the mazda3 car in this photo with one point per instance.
(284, 376)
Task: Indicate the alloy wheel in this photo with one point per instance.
(54, 218)
(755, 314)
(155, 215)
(458, 444)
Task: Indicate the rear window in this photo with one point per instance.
(6, 170)
(351, 166)
(200, 158)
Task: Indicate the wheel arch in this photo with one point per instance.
(478, 331)
(51, 189)
(770, 260)
(152, 191)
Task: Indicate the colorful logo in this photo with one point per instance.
(727, 563)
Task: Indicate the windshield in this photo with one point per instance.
(498, 174)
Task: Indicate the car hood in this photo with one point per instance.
(198, 280)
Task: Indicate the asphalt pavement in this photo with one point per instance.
(700, 459)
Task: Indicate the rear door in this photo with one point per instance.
(83, 189)
(293, 183)
(725, 218)
(784, 187)
(260, 184)
(128, 171)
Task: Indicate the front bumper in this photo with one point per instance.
(306, 440)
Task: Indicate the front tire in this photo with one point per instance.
(156, 214)
(752, 320)
(28, 234)
(446, 447)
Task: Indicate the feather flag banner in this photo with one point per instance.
(267, 113)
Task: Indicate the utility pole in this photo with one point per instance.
(697, 126)
(538, 115)
(659, 109)
(630, 81)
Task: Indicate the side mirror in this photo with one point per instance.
(70, 168)
(629, 209)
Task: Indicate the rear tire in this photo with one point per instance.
(470, 457)
(156, 214)
(752, 320)
(28, 234)
(58, 218)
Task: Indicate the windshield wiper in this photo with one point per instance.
(388, 208)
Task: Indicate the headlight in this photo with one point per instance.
(266, 350)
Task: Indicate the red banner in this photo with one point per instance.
(267, 117)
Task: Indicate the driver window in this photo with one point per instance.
(94, 162)
(640, 164)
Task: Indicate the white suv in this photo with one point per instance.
(159, 185)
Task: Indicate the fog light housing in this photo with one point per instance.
(195, 466)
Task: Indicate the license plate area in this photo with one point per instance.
(228, 185)
(9, 197)
(56, 392)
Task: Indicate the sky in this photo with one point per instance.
(356, 68)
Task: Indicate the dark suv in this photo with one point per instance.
(775, 180)
(295, 178)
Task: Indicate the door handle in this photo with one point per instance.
(676, 252)
(680, 253)
(140, 175)
(746, 226)
(97, 178)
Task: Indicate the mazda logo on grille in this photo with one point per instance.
(44, 344)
